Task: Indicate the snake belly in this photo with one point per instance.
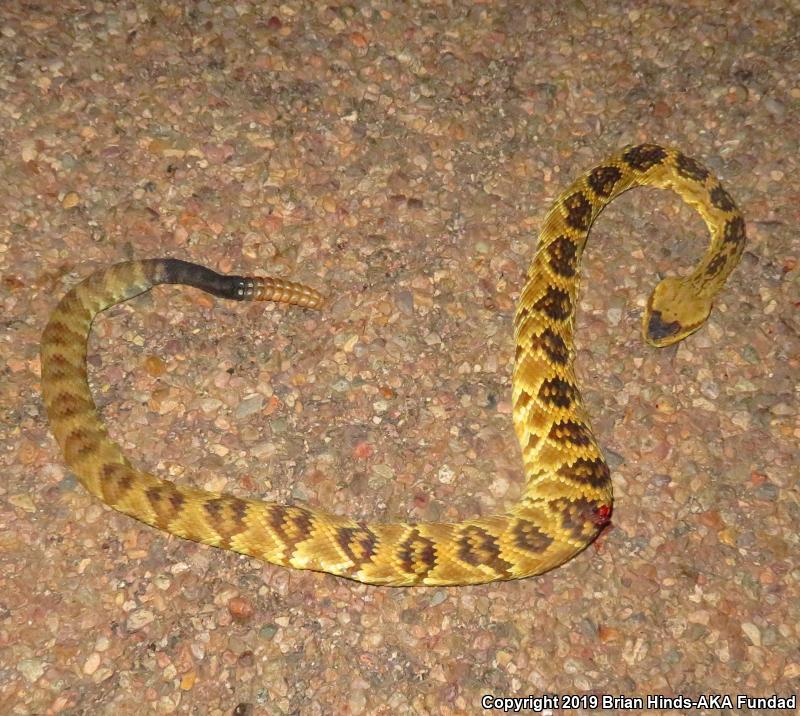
(567, 497)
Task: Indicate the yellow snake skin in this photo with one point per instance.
(566, 501)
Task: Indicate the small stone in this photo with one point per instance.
(278, 426)
(699, 616)
(774, 107)
(499, 487)
(31, 669)
(351, 341)
(157, 146)
(167, 406)
(446, 475)
(614, 315)
(614, 459)
(383, 471)
(358, 702)
(710, 389)
(250, 405)
(504, 407)
(162, 581)
(268, 631)
(155, 366)
(23, 501)
(263, 450)
(438, 598)
(607, 633)
(29, 152)
(661, 480)
(179, 568)
(139, 619)
(71, 200)
(91, 664)
(750, 355)
(634, 651)
(405, 302)
(662, 109)
(102, 674)
(363, 450)
(791, 670)
(752, 632)
(767, 491)
(358, 40)
(741, 419)
(241, 609)
(102, 644)
(782, 409)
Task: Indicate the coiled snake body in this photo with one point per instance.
(567, 497)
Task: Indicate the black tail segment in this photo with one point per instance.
(235, 288)
(183, 272)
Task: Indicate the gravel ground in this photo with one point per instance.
(399, 156)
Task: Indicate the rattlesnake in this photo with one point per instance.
(567, 497)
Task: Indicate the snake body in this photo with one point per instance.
(567, 497)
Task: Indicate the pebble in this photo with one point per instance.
(249, 406)
(32, 669)
(155, 366)
(438, 598)
(499, 487)
(28, 151)
(775, 107)
(750, 355)
(383, 471)
(405, 302)
(23, 502)
(268, 631)
(71, 200)
(102, 674)
(139, 619)
(783, 409)
(102, 644)
(710, 389)
(241, 609)
(446, 475)
(752, 632)
(91, 664)
(357, 702)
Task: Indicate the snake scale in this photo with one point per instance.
(567, 497)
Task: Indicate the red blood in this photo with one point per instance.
(602, 515)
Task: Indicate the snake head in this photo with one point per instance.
(674, 311)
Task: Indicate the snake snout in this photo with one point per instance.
(659, 330)
(674, 310)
